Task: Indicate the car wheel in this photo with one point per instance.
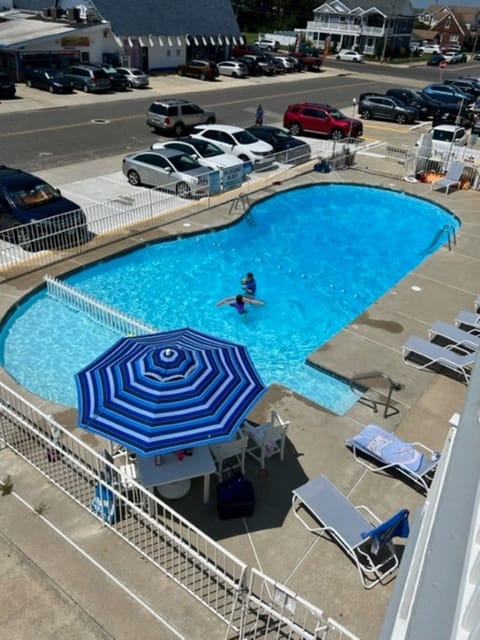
(337, 134)
(86, 88)
(179, 72)
(29, 83)
(234, 74)
(401, 118)
(183, 190)
(295, 129)
(203, 76)
(134, 178)
(338, 58)
(178, 129)
(366, 114)
(211, 120)
(51, 89)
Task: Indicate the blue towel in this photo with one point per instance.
(396, 527)
(387, 447)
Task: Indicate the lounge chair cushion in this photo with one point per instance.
(387, 447)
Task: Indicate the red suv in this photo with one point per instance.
(320, 118)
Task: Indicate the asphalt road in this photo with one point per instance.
(47, 138)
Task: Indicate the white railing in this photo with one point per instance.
(96, 310)
(201, 566)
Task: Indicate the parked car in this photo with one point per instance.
(176, 115)
(462, 117)
(51, 80)
(267, 45)
(136, 79)
(447, 93)
(286, 147)
(414, 99)
(253, 68)
(264, 63)
(7, 86)
(30, 209)
(232, 169)
(173, 169)
(386, 107)
(233, 68)
(436, 60)
(284, 63)
(309, 62)
(428, 48)
(310, 117)
(464, 84)
(294, 62)
(348, 55)
(118, 81)
(455, 57)
(383, 107)
(201, 69)
(88, 78)
(445, 135)
(239, 142)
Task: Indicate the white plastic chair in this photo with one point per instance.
(226, 451)
(268, 438)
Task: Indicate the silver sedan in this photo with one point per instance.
(171, 169)
(232, 68)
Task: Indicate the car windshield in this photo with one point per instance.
(207, 149)
(184, 163)
(244, 137)
(279, 134)
(35, 195)
(136, 72)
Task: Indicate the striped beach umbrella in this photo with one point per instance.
(168, 391)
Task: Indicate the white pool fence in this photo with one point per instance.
(247, 602)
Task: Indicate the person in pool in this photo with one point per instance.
(248, 284)
(238, 302)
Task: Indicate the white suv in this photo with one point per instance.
(239, 142)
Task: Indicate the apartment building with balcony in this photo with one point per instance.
(362, 24)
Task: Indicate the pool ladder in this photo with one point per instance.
(367, 400)
(244, 201)
(451, 235)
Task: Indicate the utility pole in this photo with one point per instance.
(391, 21)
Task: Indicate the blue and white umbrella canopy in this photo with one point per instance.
(168, 391)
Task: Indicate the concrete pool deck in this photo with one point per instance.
(272, 540)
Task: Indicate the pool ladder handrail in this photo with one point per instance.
(243, 199)
(371, 402)
(451, 235)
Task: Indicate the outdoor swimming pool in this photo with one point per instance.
(320, 254)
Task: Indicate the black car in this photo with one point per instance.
(50, 80)
(463, 117)
(374, 105)
(414, 99)
(35, 214)
(118, 81)
(254, 69)
(7, 86)
(296, 151)
(465, 85)
(436, 59)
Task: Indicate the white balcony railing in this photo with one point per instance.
(347, 28)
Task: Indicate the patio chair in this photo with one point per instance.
(268, 438)
(225, 452)
(468, 321)
(365, 539)
(414, 460)
(451, 179)
(431, 354)
(454, 335)
(123, 476)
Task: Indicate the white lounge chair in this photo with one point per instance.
(414, 460)
(367, 540)
(454, 335)
(469, 321)
(451, 179)
(432, 354)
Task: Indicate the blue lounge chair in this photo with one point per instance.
(421, 354)
(451, 179)
(454, 335)
(414, 460)
(366, 540)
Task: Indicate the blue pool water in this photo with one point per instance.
(320, 254)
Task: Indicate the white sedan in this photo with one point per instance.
(232, 68)
(348, 55)
(232, 169)
(239, 142)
